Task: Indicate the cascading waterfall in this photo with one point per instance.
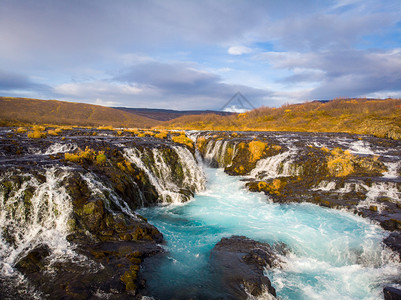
(373, 192)
(54, 148)
(274, 166)
(216, 152)
(41, 219)
(333, 254)
(325, 186)
(99, 190)
(35, 209)
(389, 190)
(213, 152)
(193, 174)
(162, 176)
(61, 148)
(392, 169)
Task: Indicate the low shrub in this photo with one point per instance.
(21, 130)
(105, 128)
(101, 158)
(52, 132)
(340, 163)
(256, 149)
(38, 128)
(36, 134)
(88, 155)
(162, 135)
(183, 139)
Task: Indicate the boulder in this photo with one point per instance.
(393, 241)
(33, 261)
(240, 262)
(391, 293)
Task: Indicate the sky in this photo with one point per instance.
(196, 54)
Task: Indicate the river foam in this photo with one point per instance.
(333, 255)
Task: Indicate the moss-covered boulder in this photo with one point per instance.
(33, 261)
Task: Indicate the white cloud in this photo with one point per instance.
(106, 103)
(327, 48)
(239, 50)
(384, 94)
(86, 89)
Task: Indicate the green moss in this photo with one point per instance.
(101, 158)
(89, 208)
(128, 279)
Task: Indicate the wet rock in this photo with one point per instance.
(391, 293)
(393, 241)
(240, 262)
(34, 260)
(321, 170)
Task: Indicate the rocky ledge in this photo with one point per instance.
(358, 173)
(84, 186)
(240, 263)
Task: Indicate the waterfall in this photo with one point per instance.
(275, 166)
(325, 186)
(193, 174)
(164, 178)
(392, 169)
(352, 187)
(380, 189)
(100, 190)
(60, 148)
(360, 147)
(373, 193)
(212, 152)
(217, 151)
(29, 220)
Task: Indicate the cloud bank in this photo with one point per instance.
(197, 54)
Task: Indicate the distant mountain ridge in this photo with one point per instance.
(169, 114)
(379, 117)
(14, 111)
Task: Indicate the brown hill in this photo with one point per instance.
(363, 116)
(15, 111)
(169, 114)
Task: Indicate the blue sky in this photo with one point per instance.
(195, 54)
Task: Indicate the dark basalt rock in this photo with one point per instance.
(34, 260)
(112, 269)
(240, 262)
(314, 165)
(391, 293)
(111, 242)
(393, 241)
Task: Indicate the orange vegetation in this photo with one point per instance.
(15, 111)
(363, 116)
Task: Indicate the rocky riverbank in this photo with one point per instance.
(68, 206)
(240, 263)
(361, 174)
(69, 200)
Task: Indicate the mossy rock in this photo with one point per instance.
(129, 278)
(34, 260)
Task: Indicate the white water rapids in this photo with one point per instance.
(334, 255)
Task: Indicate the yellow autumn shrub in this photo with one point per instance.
(256, 149)
(201, 142)
(340, 163)
(36, 134)
(21, 130)
(52, 132)
(183, 139)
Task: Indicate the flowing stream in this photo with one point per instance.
(333, 254)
